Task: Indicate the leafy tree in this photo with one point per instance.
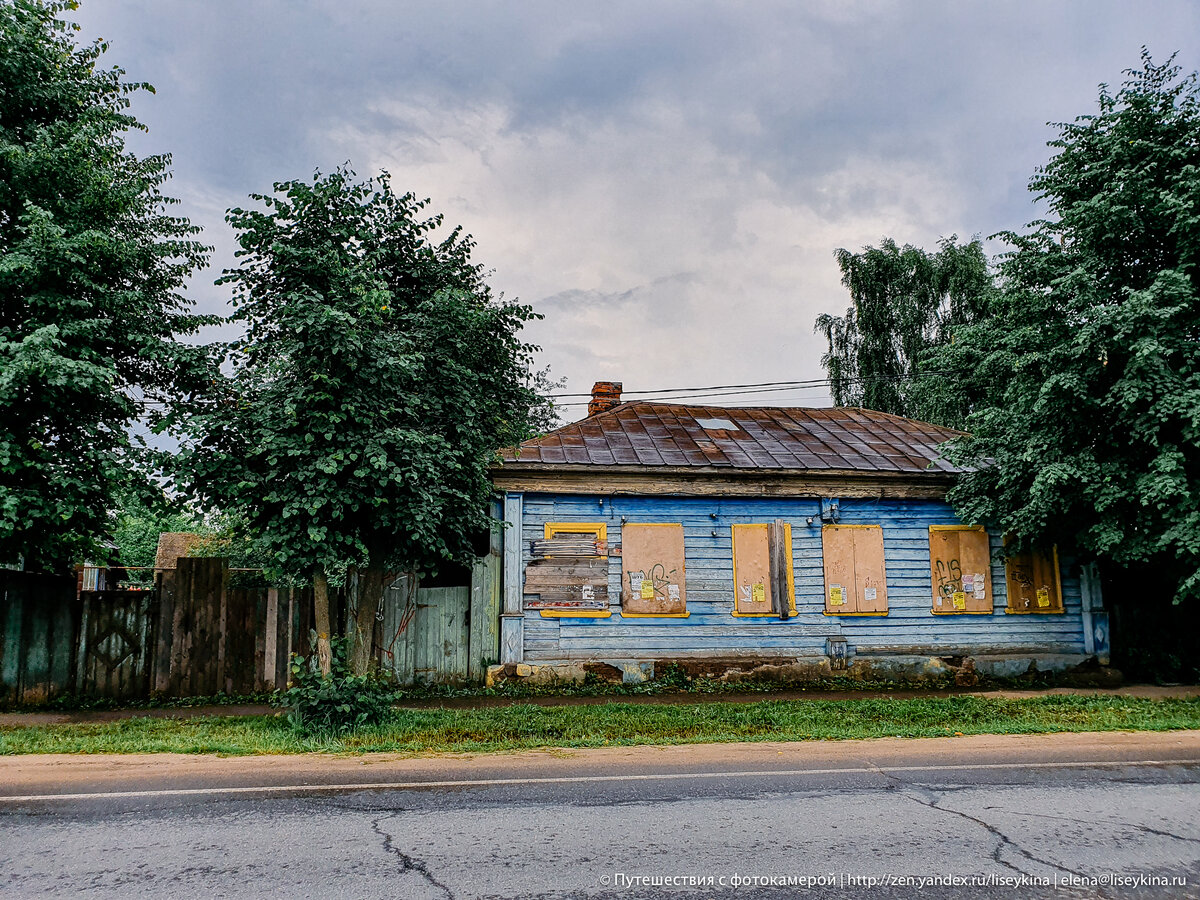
(905, 300)
(376, 379)
(91, 267)
(140, 518)
(1085, 381)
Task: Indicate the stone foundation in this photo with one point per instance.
(917, 670)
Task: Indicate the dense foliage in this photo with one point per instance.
(91, 266)
(904, 301)
(337, 703)
(376, 380)
(142, 516)
(1085, 381)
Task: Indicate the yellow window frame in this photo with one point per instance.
(600, 529)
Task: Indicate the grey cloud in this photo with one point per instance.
(597, 151)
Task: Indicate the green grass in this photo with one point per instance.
(618, 724)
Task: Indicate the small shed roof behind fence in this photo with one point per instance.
(643, 433)
(174, 544)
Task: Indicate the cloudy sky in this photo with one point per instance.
(665, 181)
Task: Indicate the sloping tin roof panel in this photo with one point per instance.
(643, 433)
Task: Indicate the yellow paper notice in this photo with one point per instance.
(1043, 597)
(647, 590)
(837, 596)
(759, 593)
(960, 600)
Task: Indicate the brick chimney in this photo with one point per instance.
(605, 395)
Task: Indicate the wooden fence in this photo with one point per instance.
(197, 635)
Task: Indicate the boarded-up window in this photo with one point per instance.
(1034, 582)
(960, 563)
(855, 576)
(568, 571)
(652, 575)
(756, 580)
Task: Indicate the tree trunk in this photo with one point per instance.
(370, 595)
(321, 620)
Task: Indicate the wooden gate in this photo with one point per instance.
(117, 647)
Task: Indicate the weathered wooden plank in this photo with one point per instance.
(263, 668)
(458, 617)
(236, 637)
(513, 562)
(484, 639)
(781, 568)
(270, 638)
(64, 641)
(569, 545)
(36, 637)
(663, 482)
(283, 630)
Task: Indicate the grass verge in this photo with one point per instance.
(618, 724)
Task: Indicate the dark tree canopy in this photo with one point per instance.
(1085, 383)
(91, 269)
(904, 301)
(376, 380)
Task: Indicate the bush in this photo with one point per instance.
(337, 704)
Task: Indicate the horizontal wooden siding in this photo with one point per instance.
(711, 629)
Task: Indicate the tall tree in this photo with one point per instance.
(91, 271)
(376, 380)
(1085, 382)
(904, 301)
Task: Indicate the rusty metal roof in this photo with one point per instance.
(644, 433)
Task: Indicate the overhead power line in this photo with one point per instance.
(715, 387)
(669, 395)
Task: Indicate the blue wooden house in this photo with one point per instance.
(802, 540)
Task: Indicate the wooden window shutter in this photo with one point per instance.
(762, 570)
(855, 573)
(568, 571)
(1034, 582)
(960, 566)
(653, 581)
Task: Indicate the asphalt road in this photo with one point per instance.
(688, 822)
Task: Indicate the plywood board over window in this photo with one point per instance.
(653, 583)
(855, 575)
(1034, 582)
(568, 572)
(960, 565)
(755, 581)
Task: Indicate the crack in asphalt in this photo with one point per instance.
(1149, 830)
(911, 791)
(1116, 822)
(408, 863)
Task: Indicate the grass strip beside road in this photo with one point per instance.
(527, 726)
